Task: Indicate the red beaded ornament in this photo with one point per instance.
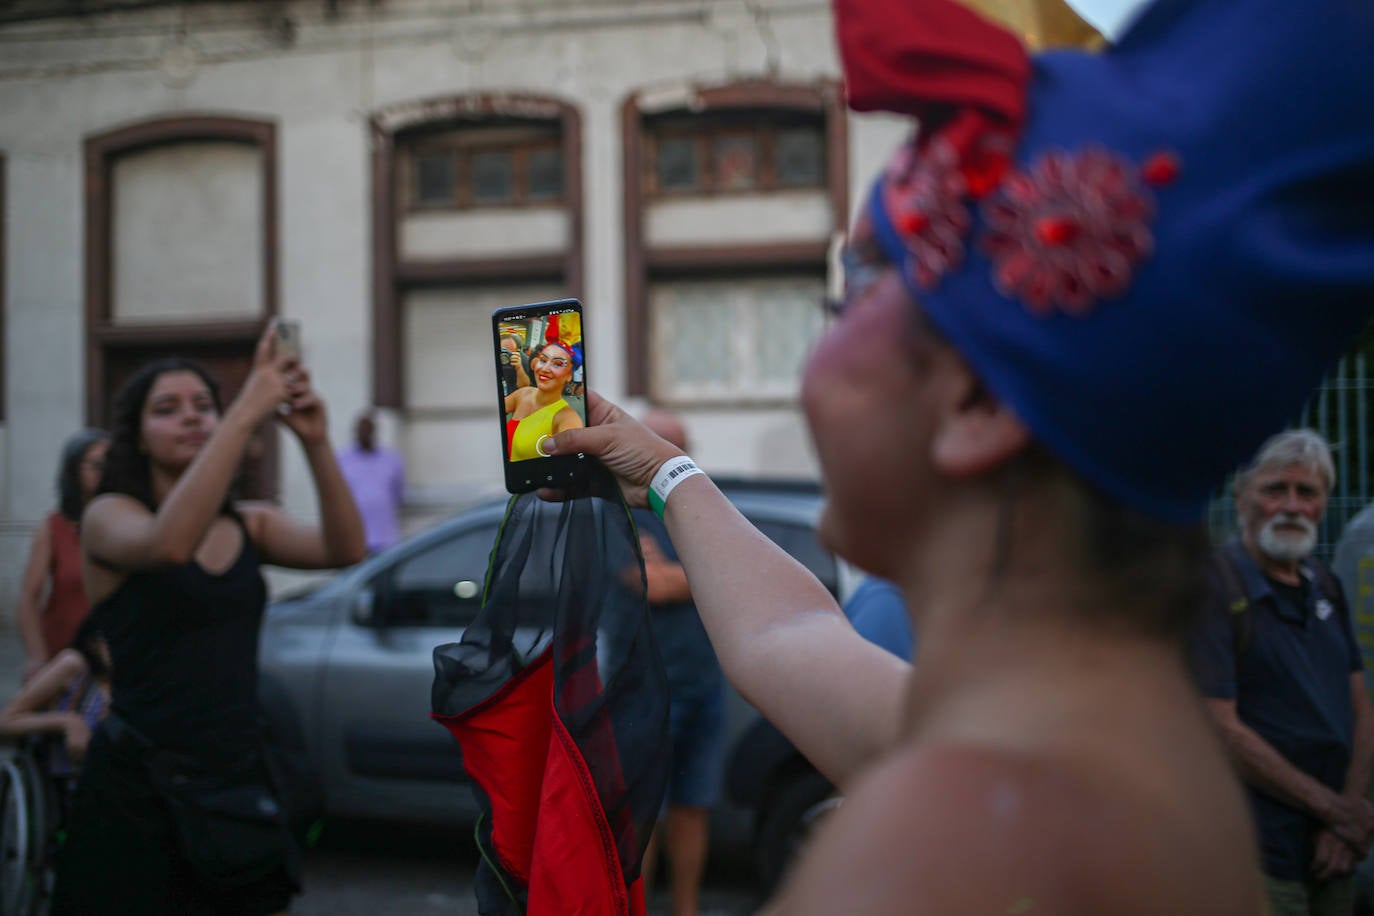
(924, 196)
(1070, 230)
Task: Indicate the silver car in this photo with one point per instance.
(346, 670)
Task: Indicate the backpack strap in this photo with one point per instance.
(1326, 580)
(1237, 604)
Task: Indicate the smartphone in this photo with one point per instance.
(289, 338)
(541, 390)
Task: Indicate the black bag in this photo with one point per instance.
(229, 824)
(231, 830)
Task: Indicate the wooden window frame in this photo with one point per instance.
(393, 276)
(823, 99)
(522, 175)
(765, 147)
(462, 156)
(102, 151)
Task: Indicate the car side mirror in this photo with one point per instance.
(364, 607)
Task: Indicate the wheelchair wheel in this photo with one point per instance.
(24, 825)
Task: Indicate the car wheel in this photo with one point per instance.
(796, 810)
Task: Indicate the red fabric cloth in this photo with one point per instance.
(930, 58)
(67, 606)
(577, 870)
(496, 737)
(548, 827)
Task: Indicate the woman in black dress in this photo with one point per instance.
(175, 813)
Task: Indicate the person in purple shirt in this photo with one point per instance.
(376, 475)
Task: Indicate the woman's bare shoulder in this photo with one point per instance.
(524, 397)
(567, 418)
(958, 829)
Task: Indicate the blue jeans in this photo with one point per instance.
(696, 726)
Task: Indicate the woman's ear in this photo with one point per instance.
(977, 432)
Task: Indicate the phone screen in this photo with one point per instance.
(541, 380)
(289, 338)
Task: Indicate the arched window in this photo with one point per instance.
(181, 255)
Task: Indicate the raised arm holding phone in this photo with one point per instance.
(1058, 275)
(172, 564)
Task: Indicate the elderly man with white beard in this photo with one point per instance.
(1277, 661)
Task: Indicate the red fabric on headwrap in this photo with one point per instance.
(930, 58)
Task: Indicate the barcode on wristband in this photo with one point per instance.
(673, 472)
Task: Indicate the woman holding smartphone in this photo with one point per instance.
(172, 564)
(1067, 273)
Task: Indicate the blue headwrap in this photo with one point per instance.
(1156, 267)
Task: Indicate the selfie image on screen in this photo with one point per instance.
(541, 380)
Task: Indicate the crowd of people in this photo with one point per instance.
(1088, 287)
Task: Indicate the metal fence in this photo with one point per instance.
(1339, 410)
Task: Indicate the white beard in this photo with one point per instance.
(1287, 546)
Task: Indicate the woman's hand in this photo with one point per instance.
(268, 384)
(280, 384)
(305, 415)
(624, 445)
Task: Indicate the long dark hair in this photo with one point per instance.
(70, 500)
(126, 464)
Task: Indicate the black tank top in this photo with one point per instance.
(184, 651)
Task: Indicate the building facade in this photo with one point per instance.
(387, 172)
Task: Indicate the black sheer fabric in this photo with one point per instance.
(565, 589)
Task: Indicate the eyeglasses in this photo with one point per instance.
(557, 362)
(859, 271)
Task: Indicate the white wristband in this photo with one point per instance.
(673, 472)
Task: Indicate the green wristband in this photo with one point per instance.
(671, 473)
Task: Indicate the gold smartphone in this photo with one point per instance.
(289, 338)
